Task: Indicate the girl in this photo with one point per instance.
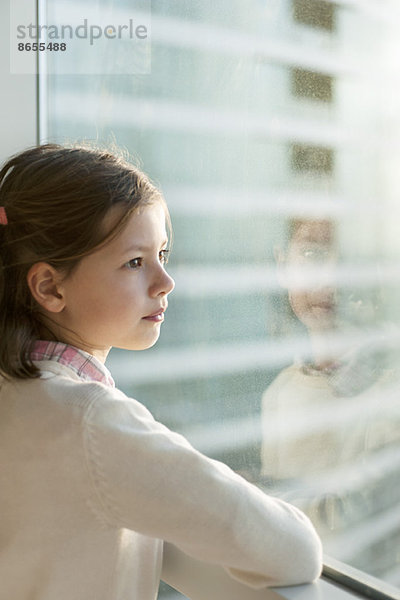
(96, 496)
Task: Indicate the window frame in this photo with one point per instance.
(19, 118)
(360, 582)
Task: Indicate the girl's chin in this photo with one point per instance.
(138, 346)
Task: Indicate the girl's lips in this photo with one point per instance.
(156, 317)
(328, 306)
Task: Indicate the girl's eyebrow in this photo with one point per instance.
(140, 248)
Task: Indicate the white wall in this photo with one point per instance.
(18, 104)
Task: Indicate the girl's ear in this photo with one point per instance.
(44, 282)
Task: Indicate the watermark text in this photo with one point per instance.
(84, 31)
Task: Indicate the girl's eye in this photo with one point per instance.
(164, 255)
(134, 263)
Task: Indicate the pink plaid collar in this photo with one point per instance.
(83, 364)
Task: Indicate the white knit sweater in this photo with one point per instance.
(91, 486)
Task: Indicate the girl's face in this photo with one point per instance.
(313, 246)
(117, 295)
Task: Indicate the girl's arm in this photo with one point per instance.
(151, 480)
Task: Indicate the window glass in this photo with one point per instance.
(272, 128)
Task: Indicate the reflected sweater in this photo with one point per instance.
(91, 486)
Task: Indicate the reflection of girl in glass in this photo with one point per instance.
(326, 416)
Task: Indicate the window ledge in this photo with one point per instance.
(200, 581)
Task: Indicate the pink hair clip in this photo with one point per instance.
(3, 216)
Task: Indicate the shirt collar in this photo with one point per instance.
(85, 365)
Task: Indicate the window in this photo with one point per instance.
(312, 158)
(315, 13)
(279, 353)
(308, 84)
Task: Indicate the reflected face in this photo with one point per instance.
(312, 248)
(117, 295)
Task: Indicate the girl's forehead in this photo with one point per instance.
(146, 225)
(320, 232)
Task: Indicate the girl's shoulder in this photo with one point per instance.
(60, 390)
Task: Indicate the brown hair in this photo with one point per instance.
(55, 199)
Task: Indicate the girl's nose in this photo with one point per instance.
(170, 283)
(163, 285)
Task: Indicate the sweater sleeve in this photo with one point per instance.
(151, 480)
